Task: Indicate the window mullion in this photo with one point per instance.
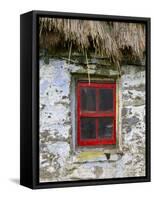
(97, 100)
(96, 128)
(88, 114)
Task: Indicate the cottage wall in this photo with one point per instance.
(59, 160)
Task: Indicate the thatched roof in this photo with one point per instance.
(107, 39)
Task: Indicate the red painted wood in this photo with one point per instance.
(97, 128)
(96, 114)
(78, 116)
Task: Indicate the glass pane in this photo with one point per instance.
(88, 128)
(88, 99)
(105, 127)
(106, 100)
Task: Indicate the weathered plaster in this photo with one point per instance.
(59, 158)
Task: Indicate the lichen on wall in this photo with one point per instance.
(58, 160)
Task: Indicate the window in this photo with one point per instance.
(96, 113)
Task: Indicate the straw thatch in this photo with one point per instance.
(107, 39)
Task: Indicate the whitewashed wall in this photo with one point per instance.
(58, 161)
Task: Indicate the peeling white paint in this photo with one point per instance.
(57, 160)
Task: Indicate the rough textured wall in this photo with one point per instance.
(58, 161)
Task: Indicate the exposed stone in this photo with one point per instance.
(130, 121)
(98, 171)
(128, 129)
(124, 111)
(103, 71)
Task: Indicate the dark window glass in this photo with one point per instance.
(106, 100)
(88, 99)
(105, 127)
(88, 128)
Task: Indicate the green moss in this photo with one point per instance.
(88, 155)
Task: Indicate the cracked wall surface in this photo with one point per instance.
(58, 160)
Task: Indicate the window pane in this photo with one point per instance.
(106, 100)
(88, 128)
(88, 99)
(105, 127)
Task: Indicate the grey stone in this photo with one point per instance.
(128, 129)
(125, 111)
(130, 121)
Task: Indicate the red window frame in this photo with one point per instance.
(96, 114)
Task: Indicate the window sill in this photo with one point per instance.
(101, 155)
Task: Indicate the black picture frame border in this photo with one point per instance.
(29, 99)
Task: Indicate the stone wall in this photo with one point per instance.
(58, 159)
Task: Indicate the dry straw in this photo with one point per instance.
(107, 39)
